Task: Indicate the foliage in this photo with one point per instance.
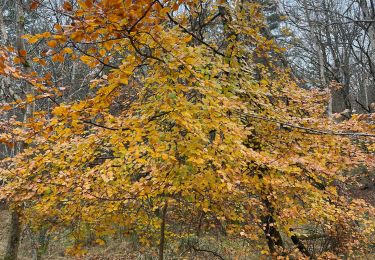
(216, 132)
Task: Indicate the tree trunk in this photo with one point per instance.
(369, 14)
(301, 247)
(162, 231)
(274, 240)
(14, 238)
(273, 236)
(15, 225)
(317, 45)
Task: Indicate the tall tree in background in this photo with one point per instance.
(335, 39)
(16, 19)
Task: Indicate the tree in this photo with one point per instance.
(335, 39)
(17, 18)
(180, 125)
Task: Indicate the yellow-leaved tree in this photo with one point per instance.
(186, 133)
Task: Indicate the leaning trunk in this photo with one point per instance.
(273, 236)
(274, 240)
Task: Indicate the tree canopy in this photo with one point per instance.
(192, 123)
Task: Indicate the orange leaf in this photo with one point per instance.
(58, 58)
(23, 53)
(77, 36)
(85, 4)
(34, 5)
(52, 44)
(68, 50)
(67, 6)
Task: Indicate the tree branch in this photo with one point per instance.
(311, 130)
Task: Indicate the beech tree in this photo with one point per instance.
(192, 124)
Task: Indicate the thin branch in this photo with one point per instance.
(143, 16)
(207, 251)
(101, 126)
(191, 33)
(311, 130)
(363, 106)
(99, 60)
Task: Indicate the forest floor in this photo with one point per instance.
(127, 250)
(115, 250)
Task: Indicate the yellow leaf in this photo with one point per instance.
(188, 38)
(23, 53)
(68, 50)
(100, 242)
(108, 45)
(86, 59)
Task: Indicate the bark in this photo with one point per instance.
(162, 231)
(41, 243)
(273, 236)
(4, 35)
(301, 247)
(316, 44)
(14, 238)
(369, 14)
(15, 226)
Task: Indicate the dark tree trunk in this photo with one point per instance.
(301, 247)
(273, 236)
(274, 240)
(162, 232)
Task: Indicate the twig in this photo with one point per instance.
(101, 126)
(207, 251)
(190, 33)
(143, 16)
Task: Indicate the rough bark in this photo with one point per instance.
(316, 44)
(273, 237)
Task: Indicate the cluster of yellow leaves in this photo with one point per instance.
(188, 135)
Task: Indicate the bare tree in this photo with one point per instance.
(333, 40)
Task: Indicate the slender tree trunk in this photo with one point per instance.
(15, 225)
(368, 13)
(41, 243)
(4, 35)
(14, 238)
(316, 44)
(162, 231)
